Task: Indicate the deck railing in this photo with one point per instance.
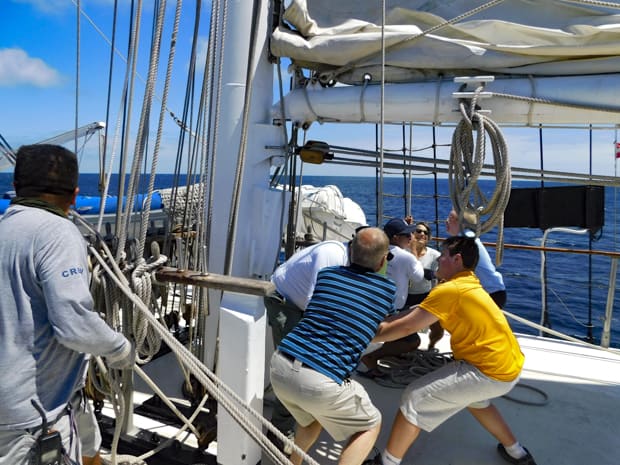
(543, 249)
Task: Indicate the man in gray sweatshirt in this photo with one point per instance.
(47, 322)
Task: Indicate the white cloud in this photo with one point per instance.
(45, 6)
(201, 54)
(17, 68)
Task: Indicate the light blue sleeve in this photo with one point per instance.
(62, 269)
(490, 278)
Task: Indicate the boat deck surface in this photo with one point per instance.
(577, 423)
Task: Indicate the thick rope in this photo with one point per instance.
(219, 16)
(224, 395)
(221, 393)
(162, 114)
(466, 162)
(147, 341)
(402, 370)
(142, 137)
(121, 228)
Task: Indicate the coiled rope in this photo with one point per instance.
(467, 155)
(226, 398)
(401, 370)
(147, 340)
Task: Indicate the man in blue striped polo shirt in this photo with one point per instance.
(311, 368)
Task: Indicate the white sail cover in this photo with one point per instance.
(327, 214)
(341, 39)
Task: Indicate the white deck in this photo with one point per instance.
(577, 425)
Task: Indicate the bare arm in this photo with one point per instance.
(404, 324)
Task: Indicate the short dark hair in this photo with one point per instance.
(45, 168)
(466, 247)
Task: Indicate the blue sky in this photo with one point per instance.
(38, 56)
(38, 81)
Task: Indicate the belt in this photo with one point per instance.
(290, 358)
(74, 402)
(65, 411)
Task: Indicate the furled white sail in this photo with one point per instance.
(425, 39)
(537, 52)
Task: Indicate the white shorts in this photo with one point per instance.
(430, 400)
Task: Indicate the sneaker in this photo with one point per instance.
(288, 447)
(283, 447)
(525, 460)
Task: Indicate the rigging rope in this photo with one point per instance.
(142, 137)
(77, 74)
(466, 162)
(224, 395)
(401, 370)
(162, 114)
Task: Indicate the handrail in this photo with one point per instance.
(614, 256)
(544, 315)
(605, 253)
(611, 291)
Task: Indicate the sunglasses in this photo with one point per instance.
(422, 231)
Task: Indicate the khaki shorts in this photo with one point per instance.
(342, 410)
(430, 400)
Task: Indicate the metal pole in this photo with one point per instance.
(611, 291)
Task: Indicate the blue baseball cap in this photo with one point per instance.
(397, 226)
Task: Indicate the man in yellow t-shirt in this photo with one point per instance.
(487, 358)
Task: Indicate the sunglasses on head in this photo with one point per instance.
(422, 231)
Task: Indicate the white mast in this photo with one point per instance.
(237, 322)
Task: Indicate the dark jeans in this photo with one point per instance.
(282, 316)
(499, 297)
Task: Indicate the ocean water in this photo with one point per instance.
(576, 285)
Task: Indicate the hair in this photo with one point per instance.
(368, 247)
(425, 224)
(45, 169)
(466, 247)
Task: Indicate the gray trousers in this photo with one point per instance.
(17, 446)
(282, 316)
